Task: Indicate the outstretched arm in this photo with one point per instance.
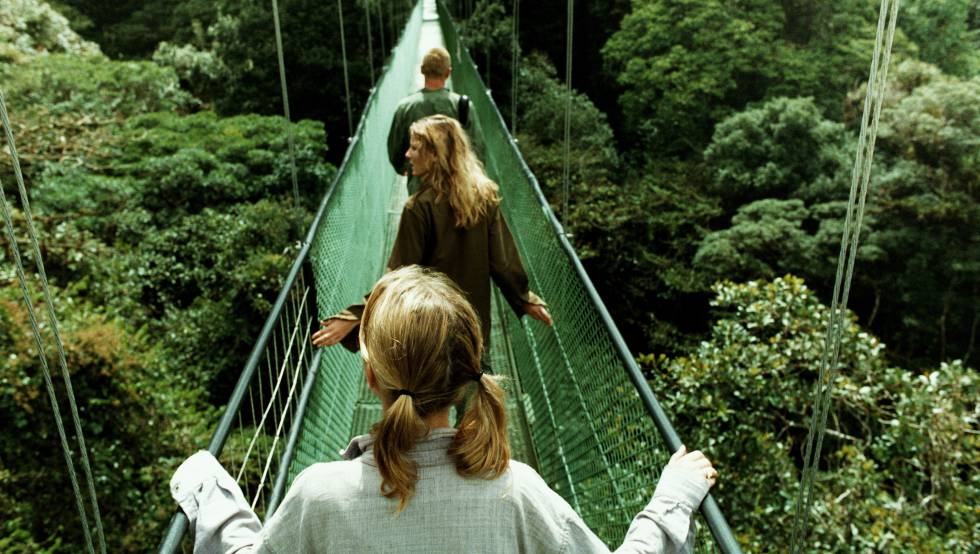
(220, 516)
(665, 525)
(508, 272)
(408, 248)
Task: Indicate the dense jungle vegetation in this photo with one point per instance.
(712, 146)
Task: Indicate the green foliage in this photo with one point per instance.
(541, 131)
(898, 470)
(784, 148)
(638, 239)
(185, 163)
(635, 237)
(767, 238)
(919, 242)
(947, 32)
(64, 108)
(685, 64)
(30, 28)
(127, 407)
(166, 236)
(771, 237)
(487, 34)
(132, 28)
(926, 198)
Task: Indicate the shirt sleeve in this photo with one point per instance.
(476, 134)
(222, 520)
(398, 140)
(506, 268)
(408, 249)
(410, 243)
(662, 527)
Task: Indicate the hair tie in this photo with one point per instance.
(477, 376)
(400, 392)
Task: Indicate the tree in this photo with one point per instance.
(685, 64)
(136, 418)
(541, 131)
(784, 149)
(767, 238)
(896, 470)
(917, 272)
(30, 28)
(926, 197)
(947, 32)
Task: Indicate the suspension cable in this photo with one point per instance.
(848, 248)
(569, 24)
(343, 51)
(381, 28)
(514, 64)
(285, 102)
(367, 20)
(42, 351)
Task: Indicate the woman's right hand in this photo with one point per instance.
(687, 477)
(334, 330)
(538, 312)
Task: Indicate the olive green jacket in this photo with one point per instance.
(471, 257)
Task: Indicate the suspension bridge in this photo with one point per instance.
(580, 411)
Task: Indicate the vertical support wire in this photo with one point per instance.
(275, 399)
(233, 455)
(243, 471)
(43, 355)
(296, 341)
(53, 320)
(860, 178)
(515, 65)
(569, 25)
(343, 52)
(367, 21)
(381, 29)
(285, 103)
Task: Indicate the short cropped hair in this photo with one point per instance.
(436, 63)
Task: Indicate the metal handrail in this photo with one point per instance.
(709, 507)
(178, 523)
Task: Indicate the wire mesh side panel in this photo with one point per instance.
(349, 252)
(254, 446)
(595, 443)
(250, 440)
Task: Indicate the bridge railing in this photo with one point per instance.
(293, 403)
(598, 432)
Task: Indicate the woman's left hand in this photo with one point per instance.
(538, 312)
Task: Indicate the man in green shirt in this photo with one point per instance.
(434, 98)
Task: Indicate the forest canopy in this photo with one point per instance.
(712, 146)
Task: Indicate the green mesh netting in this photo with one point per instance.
(575, 416)
(349, 253)
(593, 440)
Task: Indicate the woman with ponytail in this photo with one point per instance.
(452, 224)
(415, 484)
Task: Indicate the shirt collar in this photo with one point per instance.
(429, 451)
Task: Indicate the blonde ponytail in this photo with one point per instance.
(480, 447)
(396, 434)
(423, 343)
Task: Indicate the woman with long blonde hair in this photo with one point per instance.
(415, 484)
(452, 224)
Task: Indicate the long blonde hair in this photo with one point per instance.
(453, 169)
(422, 340)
